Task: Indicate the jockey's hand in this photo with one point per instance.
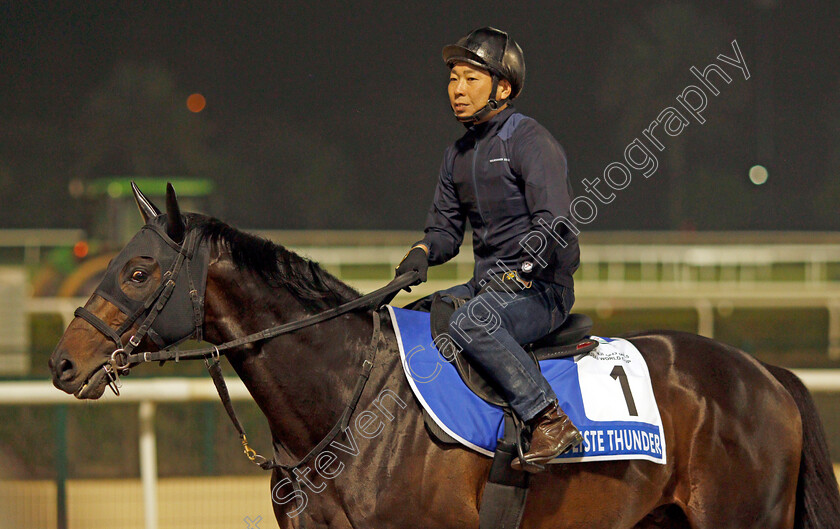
(416, 259)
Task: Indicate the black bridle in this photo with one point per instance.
(124, 357)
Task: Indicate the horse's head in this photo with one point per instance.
(151, 297)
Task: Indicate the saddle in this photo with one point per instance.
(504, 495)
(570, 339)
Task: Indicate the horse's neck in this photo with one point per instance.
(300, 380)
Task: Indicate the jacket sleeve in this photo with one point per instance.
(445, 221)
(541, 162)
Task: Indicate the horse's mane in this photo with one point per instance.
(316, 288)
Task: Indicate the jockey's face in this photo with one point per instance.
(469, 90)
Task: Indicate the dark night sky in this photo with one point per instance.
(363, 82)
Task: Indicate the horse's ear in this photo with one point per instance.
(175, 226)
(147, 209)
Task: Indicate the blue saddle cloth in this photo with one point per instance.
(612, 384)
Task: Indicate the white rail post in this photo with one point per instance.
(705, 318)
(148, 463)
(834, 329)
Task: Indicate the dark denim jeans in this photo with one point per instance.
(490, 327)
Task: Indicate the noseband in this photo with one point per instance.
(123, 357)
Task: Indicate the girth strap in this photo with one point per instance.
(503, 499)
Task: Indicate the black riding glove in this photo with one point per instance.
(415, 259)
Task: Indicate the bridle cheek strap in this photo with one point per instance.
(119, 363)
(104, 328)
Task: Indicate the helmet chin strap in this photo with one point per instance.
(492, 105)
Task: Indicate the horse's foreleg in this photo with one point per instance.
(665, 517)
(279, 494)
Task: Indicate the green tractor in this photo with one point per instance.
(74, 270)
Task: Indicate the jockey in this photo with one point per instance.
(507, 175)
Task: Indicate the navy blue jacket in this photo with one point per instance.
(503, 176)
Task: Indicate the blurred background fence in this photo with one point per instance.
(267, 138)
(164, 454)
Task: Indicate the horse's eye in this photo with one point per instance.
(139, 276)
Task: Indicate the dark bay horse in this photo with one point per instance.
(745, 448)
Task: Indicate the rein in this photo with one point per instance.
(364, 373)
(124, 357)
(375, 300)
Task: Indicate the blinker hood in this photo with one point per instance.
(183, 314)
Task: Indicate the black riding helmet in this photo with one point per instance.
(493, 50)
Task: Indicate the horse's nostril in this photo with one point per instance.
(65, 370)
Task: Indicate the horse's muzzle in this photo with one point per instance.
(63, 372)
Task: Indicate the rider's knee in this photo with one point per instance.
(478, 316)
